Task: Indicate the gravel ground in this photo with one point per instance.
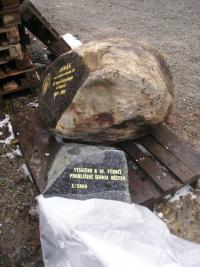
(171, 26)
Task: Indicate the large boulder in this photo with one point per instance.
(110, 90)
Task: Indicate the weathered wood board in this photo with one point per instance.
(41, 28)
(22, 79)
(11, 19)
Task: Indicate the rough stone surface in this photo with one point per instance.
(84, 171)
(128, 88)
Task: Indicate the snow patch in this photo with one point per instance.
(143, 149)
(182, 192)
(9, 155)
(24, 169)
(159, 214)
(58, 139)
(13, 153)
(6, 123)
(167, 197)
(34, 104)
(17, 151)
(134, 166)
(71, 40)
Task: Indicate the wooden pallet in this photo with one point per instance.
(22, 79)
(41, 28)
(9, 35)
(16, 69)
(159, 163)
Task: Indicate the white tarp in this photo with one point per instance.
(106, 233)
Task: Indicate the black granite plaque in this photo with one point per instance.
(60, 84)
(83, 171)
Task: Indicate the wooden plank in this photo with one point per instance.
(41, 28)
(142, 189)
(3, 61)
(59, 47)
(16, 72)
(9, 29)
(168, 159)
(9, 3)
(13, 35)
(24, 37)
(178, 147)
(165, 180)
(24, 86)
(9, 35)
(10, 19)
(10, 53)
(9, 10)
(1, 71)
(4, 47)
(35, 141)
(24, 79)
(18, 56)
(25, 63)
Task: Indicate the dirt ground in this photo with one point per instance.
(171, 26)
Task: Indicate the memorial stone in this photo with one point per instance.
(81, 171)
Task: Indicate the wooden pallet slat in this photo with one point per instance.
(15, 56)
(24, 63)
(162, 178)
(142, 190)
(24, 37)
(11, 52)
(41, 28)
(1, 71)
(178, 147)
(9, 35)
(168, 159)
(35, 141)
(25, 85)
(23, 79)
(9, 6)
(10, 19)
(9, 3)
(8, 10)
(15, 72)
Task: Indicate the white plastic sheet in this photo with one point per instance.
(106, 233)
